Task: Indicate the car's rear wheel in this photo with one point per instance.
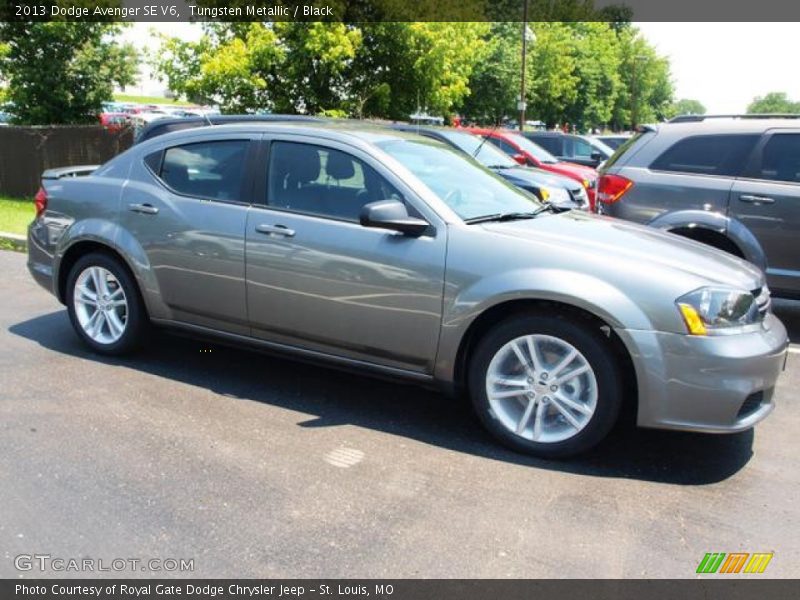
(545, 385)
(104, 305)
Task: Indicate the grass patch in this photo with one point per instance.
(150, 100)
(15, 214)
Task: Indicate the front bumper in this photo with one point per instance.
(715, 384)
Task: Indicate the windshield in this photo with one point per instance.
(467, 188)
(488, 156)
(537, 152)
(600, 145)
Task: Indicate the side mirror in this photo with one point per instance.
(597, 155)
(520, 158)
(391, 214)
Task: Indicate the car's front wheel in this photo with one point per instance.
(104, 305)
(545, 385)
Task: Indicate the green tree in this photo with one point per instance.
(369, 69)
(60, 72)
(597, 63)
(646, 91)
(494, 84)
(685, 106)
(774, 102)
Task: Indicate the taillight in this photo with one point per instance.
(40, 201)
(611, 188)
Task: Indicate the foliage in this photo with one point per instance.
(375, 69)
(685, 106)
(774, 102)
(15, 214)
(61, 72)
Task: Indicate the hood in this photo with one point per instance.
(531, 176)
(634, 249)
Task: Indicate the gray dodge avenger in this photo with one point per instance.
(393, 254)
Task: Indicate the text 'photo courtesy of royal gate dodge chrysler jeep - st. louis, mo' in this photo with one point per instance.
(395, 254)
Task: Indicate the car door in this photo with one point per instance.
(767, 201)
(319, 280)
(187, 209)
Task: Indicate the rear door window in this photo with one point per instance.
(213, 170)
(722, 155)
(780, 158)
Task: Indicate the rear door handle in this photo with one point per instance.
(145, 209)
(276, 230)
(756, 199)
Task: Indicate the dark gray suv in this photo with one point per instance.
(732, 183)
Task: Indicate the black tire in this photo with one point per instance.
(597, 352)
(137, 325)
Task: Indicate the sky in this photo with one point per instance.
(723, 65)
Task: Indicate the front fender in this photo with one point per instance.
(591, 294)
(731, 228)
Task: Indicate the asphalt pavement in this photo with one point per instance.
(254, 466)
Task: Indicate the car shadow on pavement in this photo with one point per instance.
(338, 398)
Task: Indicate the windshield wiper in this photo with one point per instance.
(511, 216)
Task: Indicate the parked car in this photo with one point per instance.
(579, 149)
(547, 320)
(613, 141)
(114, 121)
(525, 152)
(731, 183)
(562, 192)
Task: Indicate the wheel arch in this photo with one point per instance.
(81, 248)
(502, 311)
(715, 229)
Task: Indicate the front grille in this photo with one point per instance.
(763, 300)
(750, 405)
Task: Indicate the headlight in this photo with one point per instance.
(717, 311)
(554, 195)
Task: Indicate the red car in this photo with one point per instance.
(114, 121)
(525, 152)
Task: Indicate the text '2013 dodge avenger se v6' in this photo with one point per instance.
(394, 254)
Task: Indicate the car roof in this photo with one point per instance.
(341, 129)
(728, 125)
(169, 124)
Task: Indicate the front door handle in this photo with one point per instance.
(145, 209)
(756, 199)
(276, 230)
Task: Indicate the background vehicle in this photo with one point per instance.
(579, 149)
(562, 192)
(114, 121)
(525, 152)
(613, 141)
(732, 183)
(389, 253)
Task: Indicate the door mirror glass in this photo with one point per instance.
(391, 214)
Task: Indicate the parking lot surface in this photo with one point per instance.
(256, 466)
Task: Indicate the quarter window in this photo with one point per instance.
(780, 159)
(212, 170)
(323, 181)
(723, 155)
